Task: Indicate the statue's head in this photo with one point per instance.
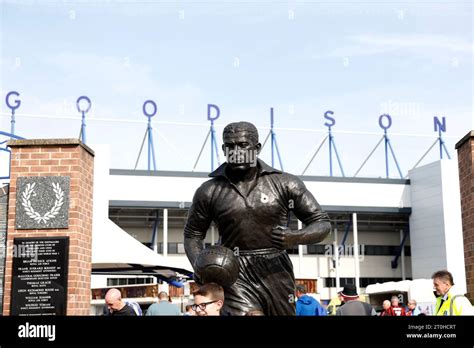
(240, 145)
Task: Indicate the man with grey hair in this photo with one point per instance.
(250, 203)
(163, 307)
(386, 306)
(449, 300)
(413, 309)
(396, 309)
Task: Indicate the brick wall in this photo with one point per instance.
(58, 157)
(465, 149)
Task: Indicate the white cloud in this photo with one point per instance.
(372, 44)
(418, 41)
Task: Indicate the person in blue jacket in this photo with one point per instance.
(307, 305)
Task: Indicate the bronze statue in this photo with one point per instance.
(250, 203)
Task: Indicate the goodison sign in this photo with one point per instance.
(385, 121)
(213, 113)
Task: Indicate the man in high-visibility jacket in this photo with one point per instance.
(447, 302)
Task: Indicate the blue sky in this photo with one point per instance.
(359, 59)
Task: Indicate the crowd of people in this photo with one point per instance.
(209, 300)
(447, 301)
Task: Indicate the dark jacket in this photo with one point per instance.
(309, 306)
(125, 311)
(356, 307)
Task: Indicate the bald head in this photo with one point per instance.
(113, 300)
(113, 294)
(163, 296)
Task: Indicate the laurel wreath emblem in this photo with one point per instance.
(25, 201)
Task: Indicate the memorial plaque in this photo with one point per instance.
(42, 202)
(39, 276)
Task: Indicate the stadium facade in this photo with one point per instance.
(383, 229)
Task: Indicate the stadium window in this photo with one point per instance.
(129, 281)
(319, 249)
(172, 248)
(363, 281)
(293, 251)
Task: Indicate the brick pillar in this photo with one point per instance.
(57, 157)
(465, 149)
(3, 235)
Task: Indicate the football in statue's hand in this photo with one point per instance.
(216, 264)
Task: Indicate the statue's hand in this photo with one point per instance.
(196, 279)
(283, 238)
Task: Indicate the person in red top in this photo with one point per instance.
(386, 309)
(396, 309)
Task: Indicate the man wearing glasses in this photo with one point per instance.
(208, 300)
(250, 202)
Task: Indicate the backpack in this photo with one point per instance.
(136, 307)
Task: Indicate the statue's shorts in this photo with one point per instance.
(266, 283)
